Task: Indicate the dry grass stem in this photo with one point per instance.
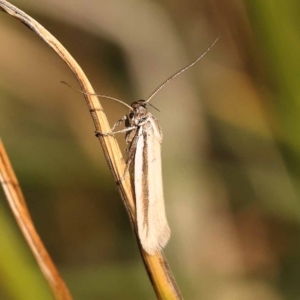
(18, 206)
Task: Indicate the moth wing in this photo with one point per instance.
(139, 176)
(154, 231)
(156, 129)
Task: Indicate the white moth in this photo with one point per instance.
(144, 138)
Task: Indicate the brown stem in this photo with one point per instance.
(18, 206)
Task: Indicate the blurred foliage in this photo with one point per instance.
(231, 151)
(20, 276)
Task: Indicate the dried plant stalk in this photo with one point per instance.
(18, 206)
(157, 267)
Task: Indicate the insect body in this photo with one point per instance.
(144, 151)
(144, 138)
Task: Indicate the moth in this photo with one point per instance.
(144, 137)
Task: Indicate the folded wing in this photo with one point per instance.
(153, 228)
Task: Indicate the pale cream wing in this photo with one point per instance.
(139, 179)
(153, 227)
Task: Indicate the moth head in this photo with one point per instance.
(138, 107)
(138, 111)
(135, 105)
(142, 103)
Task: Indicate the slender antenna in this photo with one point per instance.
(154, 107)
(180, 71)
(102, 96)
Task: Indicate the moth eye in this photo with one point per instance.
(131, 115)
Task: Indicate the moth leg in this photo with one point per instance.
(131, 154)
(126, 171)
(119, 122)
(99, 133)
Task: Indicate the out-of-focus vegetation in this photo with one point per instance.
(231, 150)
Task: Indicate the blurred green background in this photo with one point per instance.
(231, 150)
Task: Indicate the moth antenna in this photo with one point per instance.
(154, 107)
(181, 71)
(102, 96)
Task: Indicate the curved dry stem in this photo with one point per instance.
(18, 206)
(156, 265)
